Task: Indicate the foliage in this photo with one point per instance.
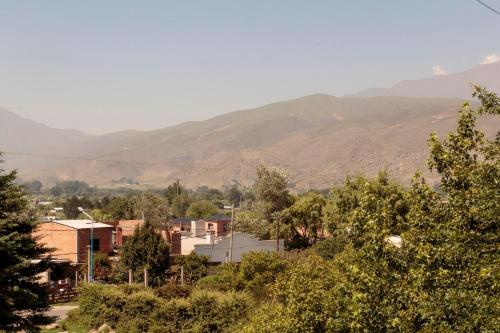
(23, 300)
(201, 209)
(153, 208)
(101, 304)
(195, 266)
(255, 272)
(169, 291)
(143, 311)
(102, 267)
(443, 277)
(34, 186)
(305, 217)
(71, 206)
(330, 247)
(181, 204)
(71, 188)
(121, 208)
(147, 249)
(452, 245)
(271, 189)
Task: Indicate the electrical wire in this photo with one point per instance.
(484, 4)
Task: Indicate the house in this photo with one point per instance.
(71, 238)
(125, 229)
(182, 224)
(218, 224)
(218, 248)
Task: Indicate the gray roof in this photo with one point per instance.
(80, 224)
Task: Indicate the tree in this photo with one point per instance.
(452, 244)
(271, 189)
(34, 186)
(195, 266)
(154, 208)
(201, 209)
(181, 204)
(120, 208)
(71, 206)
(70, 188)
(234, 195)
(23, 300)
(306, 218)
(147, 249)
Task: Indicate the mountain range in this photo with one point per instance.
(318, 138)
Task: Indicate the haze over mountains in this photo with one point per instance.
(319, 138)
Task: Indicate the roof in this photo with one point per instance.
(183, 220)
(80, 224)
(218, 218)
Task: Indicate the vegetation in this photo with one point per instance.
(147, 249)
(143, 311)
(22, 299)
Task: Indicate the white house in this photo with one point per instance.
(217, 248)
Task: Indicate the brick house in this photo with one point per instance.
(125, 229)
(218, 224)
(71, 238)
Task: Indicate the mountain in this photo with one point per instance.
(25, 135)
(319, 138)
(456, 85)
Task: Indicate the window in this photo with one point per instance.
(96, 244)
(210, 226)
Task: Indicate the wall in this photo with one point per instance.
(103, 234)
(242, 243)
(60, 237)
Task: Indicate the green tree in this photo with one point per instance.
(147, 249)
(180, 204)
(153, 207)
(201, 209)
(23, 300)
(195, 266)
(34, 186)
(452, 244)
(121, 208)
(71, 206)
(306, 218)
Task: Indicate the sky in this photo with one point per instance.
(103, 66)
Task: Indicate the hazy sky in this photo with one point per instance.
(102, 66)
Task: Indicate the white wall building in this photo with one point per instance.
(217, 249)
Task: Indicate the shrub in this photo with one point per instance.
(136, 311)
(169, 291)
(170, 317)
(212, 282)
(101, 304)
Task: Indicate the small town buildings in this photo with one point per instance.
(70, 239)
(218, 248)
(218, 224)
(125, 229)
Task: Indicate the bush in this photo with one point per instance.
(212, 282)
(170, 291)
(169, 317)
(130, 289)
(136, 311)
(101, 304)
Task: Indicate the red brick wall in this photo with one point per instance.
(105, 242)
(60, 237)
(220, 228)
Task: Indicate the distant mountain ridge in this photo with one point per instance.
(454, 85)
(319, 138)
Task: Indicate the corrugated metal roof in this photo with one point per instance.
(80, 224)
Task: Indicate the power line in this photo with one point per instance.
(488, 6)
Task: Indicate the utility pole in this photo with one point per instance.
(278, 235)
(231, 239)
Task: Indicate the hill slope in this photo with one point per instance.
(318, 138)
(456, 85)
